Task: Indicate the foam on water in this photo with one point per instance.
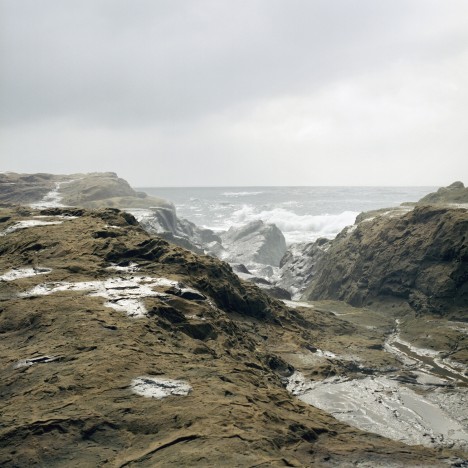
(303, 214)
(241, 194)
(296, 228)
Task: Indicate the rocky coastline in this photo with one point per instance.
(121, 348)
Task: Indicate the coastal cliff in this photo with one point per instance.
(419, 258)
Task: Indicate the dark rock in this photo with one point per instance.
(454, 193)
(199, 331)
(420, 258)
(280, 366)
(190, 294)
(240, 268)
(276, 292)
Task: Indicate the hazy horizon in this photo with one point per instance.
(211, 93)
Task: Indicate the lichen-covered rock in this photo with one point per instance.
(420, 258)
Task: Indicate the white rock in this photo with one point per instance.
(27, 224)
(155, 387)
(18, 273)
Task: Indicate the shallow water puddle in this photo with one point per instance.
(382, 406)
(155, 387)
(426, 358)
(18, 273)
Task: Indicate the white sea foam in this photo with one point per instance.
(240, 194)
(296, 228)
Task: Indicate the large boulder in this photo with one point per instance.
(256, 242)
(419, 258)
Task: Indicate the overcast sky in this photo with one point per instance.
(238, 92)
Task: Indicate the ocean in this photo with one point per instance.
(302, 213)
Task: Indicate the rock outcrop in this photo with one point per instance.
(255, 242)
(299, 265)
(24, 188)
(121, 349)
(93, 190)
(164, 222)
(455, 193)
(419, 258)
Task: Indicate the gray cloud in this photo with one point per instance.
(235, 85)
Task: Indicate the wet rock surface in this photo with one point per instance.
(216, 349)
(419, 259)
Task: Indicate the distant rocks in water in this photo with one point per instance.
(454, 193)
(255, 242)
(420, 258)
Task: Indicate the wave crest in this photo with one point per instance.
(297, 228)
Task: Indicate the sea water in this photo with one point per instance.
(302, 213)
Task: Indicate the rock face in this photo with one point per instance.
(24, 188)
(105, 190)
(164, 222)
(93, 190)
(420, 258)
(454, 193)
(120, 349)
(94, 187)
(255, 242)
(299, 265)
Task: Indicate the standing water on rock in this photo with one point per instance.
(303, 214)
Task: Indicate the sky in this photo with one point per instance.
(237, 93)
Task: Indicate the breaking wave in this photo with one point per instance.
(296, 228)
